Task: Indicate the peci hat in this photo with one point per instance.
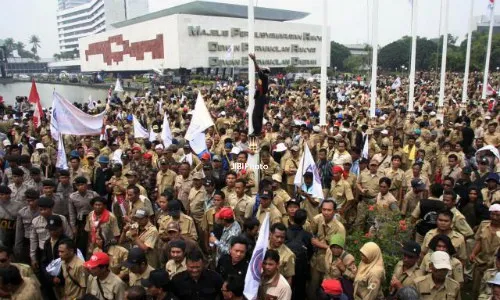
(411, 248)
(292, 201)
(157, 278)
(135, 256)
(97, 259)
(493, 176)
(54, 222)
(5, 190)
(441, 260)
(225, 213)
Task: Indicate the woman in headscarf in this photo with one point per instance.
(442, 242)
(371, 273)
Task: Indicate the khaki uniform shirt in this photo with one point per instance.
(274, 214)
(287, 261)
(188, 230)
(489, 243)
(165, 180)
(396, 178)
(370, 288)
(384, 161)
(457, 241)
(341, 192)
(370, 182)
(280, 198)
(113, 288)
(120, 181)
(324, 231)
(333, 272)
(457, 269)
(459, 224)
(149, 236)
(39, 234)
(109, 229)
(240, 207)
(174, 268)
(490, 196)
(196, 200)
(135, 279)
(117, 256)
(272, 168)
(290, 164)
(427, 290)
(208, 221)
(29, 289)
(230, 194)
(492, 139)
(183, 187)
(77, 173)
(454, 172)
(485, 289)
(409, 203)
(406, 277)
(275, 288)
(75, 278)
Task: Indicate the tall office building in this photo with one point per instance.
(80, 18)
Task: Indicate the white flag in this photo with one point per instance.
(61, 162)
(139, 131)
(396, 83)
(166, 134)
(152, 135)
(252, 278)
(68, 119)
(118, 86)
(229, 52)
(200, 120)
(91, 104)
(198, 143)
(307, 164)
(364, 153)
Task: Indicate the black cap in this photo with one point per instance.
(80, 180)
(411, 248)
(35, 171)
(157, 278)
(54, 222)
(48, 182)
(32, 194)
(266, 194)
(292, 201)
(117, 167)
(135, 256)
(483, 160)
(64, 173)
(17, 172)
(45, 202)
(209, 182)
(5, 190)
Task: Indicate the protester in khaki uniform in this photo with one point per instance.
(75, 279)
(406, 270)
(143, 235)
(117, 255)
(396, 175)
(165, 177)
(291, 167)
(491, 136)
(117, 186)
(268, 166)
(177, 262)
(186, 223)
(196, 199)
(341, 190)
(273, 284)
(339, 262)
(103, 284)
(266, 205)
(280, 196)
(370, 274)
(485, 290)
(19, 288)
(438, 285)
(368, 187)
(242, 202)
(209, 221)
(491, 193)
(442, 242)
(292, 206)
(323, 226)
(412, 198)
(459, 223)
(138, 265)
(452, 169)
(487, 242)
(287, 257)
(183, 183)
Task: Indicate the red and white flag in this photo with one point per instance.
(491, 4)
(35, 99)
(490, 91)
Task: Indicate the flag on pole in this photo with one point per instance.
(152, 135)
(364, 153)
(200, 121)
(166, 134)
(61, 162)
(118, 86)
(139, 131)
(252, 278)
(230, 52)
(490, 91)
(35, 99)
(91, 104)
(307, 164)
(396, 84)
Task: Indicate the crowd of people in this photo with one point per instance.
(133, 218)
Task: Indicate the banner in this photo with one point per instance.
(200, 119)
(252, 278)
(61, 162)
(139, 131)
(68, 119)
(166, 134)
(307, 164)
(396, 84)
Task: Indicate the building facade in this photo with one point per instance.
(202, 35)
(92, 17)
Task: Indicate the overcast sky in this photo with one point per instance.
(349, 20)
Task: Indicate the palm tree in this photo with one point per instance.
(35, 43)
(57, 56)
(9, 46)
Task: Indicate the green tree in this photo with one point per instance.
(354, 63)
(57, 56)
(9, 46)
(35, 44)
(290, 69)
(338, 54)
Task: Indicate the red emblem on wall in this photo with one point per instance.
(135, 49)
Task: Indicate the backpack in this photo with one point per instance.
(301, 258)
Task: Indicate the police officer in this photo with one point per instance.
(79, 209)
(8, 216)
(23, 225)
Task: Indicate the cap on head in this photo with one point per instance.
(97, 259)
(54, 222)
(135, 256)
(140, 214)
(277, 177)
(411, 248)
(418, 184)
(268, 194)
(225, 213)
(173, 226)
(440, 260)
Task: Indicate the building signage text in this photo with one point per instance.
(237, 32)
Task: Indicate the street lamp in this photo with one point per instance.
(335, 68)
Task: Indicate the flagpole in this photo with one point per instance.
(445, 6)
(324, 75)
(251, 67)
(467, 55)
(373, 95)
(413, 55)
(488, 51)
